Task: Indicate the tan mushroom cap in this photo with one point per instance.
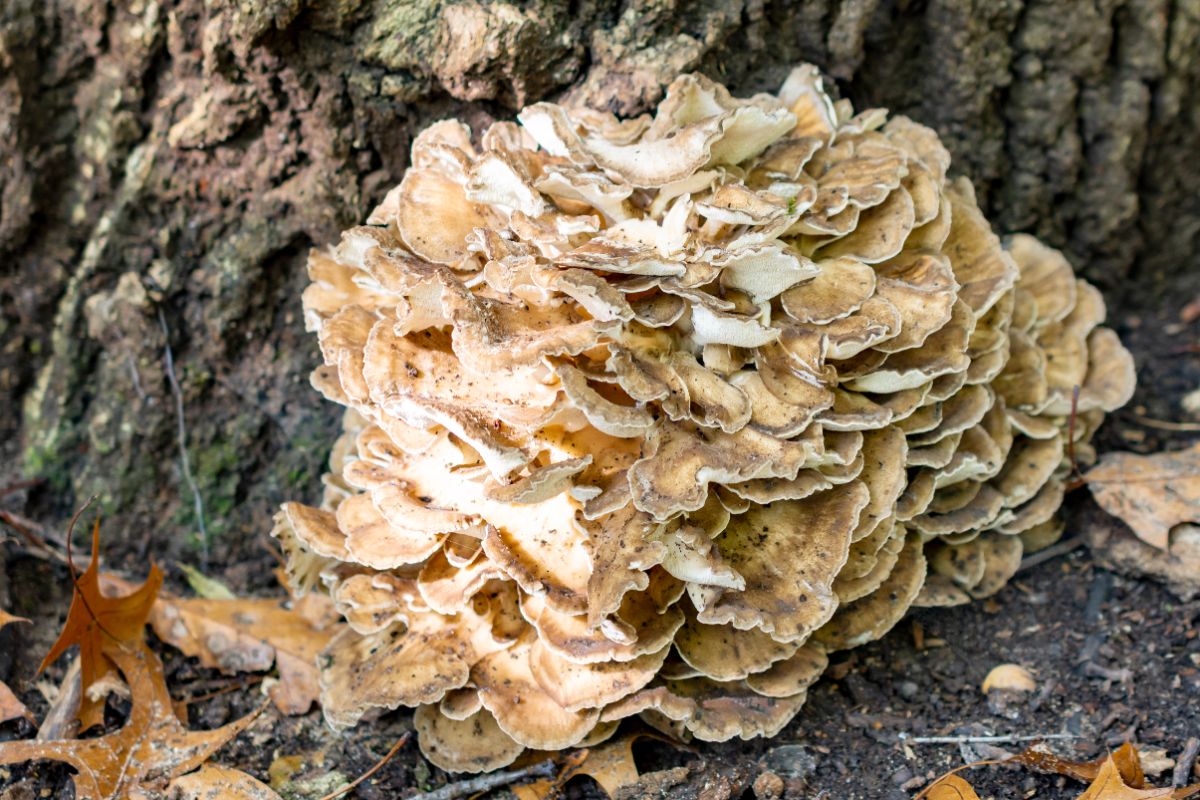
(791, 676)
(411, 663)
(683, 461)
(645, 623)
(474, 744)
(575, 687)
(522, 708)
(712, 711)
(372, 602)
(872, 616)
(850, 588)
(789, 552)
(1002, 557)
(724, 653)
(840, 288)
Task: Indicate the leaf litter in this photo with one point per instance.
(1118, 775)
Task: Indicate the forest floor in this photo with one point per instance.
(1116, 659)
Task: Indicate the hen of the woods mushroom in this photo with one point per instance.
(649, 416)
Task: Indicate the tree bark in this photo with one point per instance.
(166, 164)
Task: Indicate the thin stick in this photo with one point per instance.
(486, 783)
(1166, 425)
(1183, 768)
(378, 766)
(982, 739)
(17, 486)
(181, 435)
(1053, 551)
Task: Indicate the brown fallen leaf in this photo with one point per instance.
(249, 635)
(610, 764)
(1152, 493)
(951, 787)
(1111, 783)
(11, 708)
(213, 782)
(97, 621)
(1125, 758)
(7, 618)
(151, 748)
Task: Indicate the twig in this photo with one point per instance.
(982, 739)
(484, 783)
(378, 765)
(1094, 670)
(17, 486)
(137, 380)
(181, 435)
(1054, 551)
(1183, 767)
(1165, 425)
(60, 719)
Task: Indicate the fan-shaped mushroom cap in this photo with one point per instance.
(683, 461)
(838, 289)
(580, 686)
(872, 616)
(789, 552)
(409, 663)
(522, 708)
(1002, 557)
(852, 587)
(712, 711)
(793, 675)
(473, 744)
(724, 653)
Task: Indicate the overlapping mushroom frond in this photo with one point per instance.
(647, 416)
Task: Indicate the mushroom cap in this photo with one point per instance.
(473, 744)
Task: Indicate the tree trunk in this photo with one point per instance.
(166, 164)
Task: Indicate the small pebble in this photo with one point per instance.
(902, 776)
(908, 689)
(768, 786)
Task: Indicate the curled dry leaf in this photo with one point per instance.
(951, 787)
(1151, 494)
(10, 706)
(249, 635)
(1117, 775)
(213, 782)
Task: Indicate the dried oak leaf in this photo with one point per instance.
(1152, 494)
(97, 622)
(951, 787)
(10, 707)
(249, 635)
(152, 747)
(212, 782)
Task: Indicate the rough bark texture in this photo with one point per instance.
(166, 164)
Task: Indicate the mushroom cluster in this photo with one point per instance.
(648, 416)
